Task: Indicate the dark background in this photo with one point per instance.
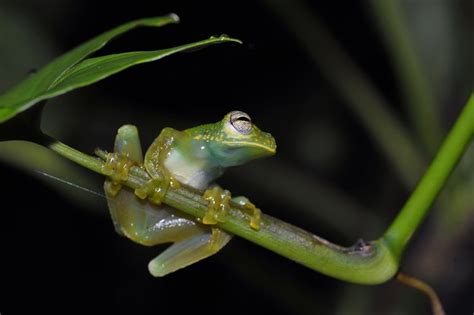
(59, 254)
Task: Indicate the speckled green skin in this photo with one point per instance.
(229, 148)
(207, 149)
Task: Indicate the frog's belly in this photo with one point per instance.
(194, 173)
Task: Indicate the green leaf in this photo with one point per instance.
(74, 70)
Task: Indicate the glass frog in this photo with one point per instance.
(193, 157)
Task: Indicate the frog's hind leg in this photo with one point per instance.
(150, 224)
(127, 152)
(127, 142)
(137, 219)
(188, 251)
(126, 145)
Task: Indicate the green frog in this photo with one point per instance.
(194, 157)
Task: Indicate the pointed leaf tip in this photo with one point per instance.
(174, 17)
(158, 20)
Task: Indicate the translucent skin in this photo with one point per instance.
(194, 157)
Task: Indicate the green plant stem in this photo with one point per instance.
(415, 209)
(364, 263)
(87, 161)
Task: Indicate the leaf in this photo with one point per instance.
(74, 70)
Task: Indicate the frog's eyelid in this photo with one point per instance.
(238, 115)
(240, 122)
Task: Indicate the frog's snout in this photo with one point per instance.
(269, 142)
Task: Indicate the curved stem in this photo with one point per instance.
(365, 263)
(415, 209)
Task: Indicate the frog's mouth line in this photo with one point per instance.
(251, 144)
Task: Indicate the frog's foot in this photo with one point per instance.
(255, 212)
(218, 205)
(116, 167)
(188, 251)
(112, 188)
(218, 239)
(156, 188)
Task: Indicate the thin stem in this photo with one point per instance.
(80, 158)
(436, 305)
(405, 224)
(365, 263)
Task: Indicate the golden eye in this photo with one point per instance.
(241, 122)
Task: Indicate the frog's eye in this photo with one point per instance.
(241, 122)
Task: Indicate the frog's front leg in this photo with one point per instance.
(218, 207)
(155, 158)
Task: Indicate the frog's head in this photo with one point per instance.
(235, 140)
